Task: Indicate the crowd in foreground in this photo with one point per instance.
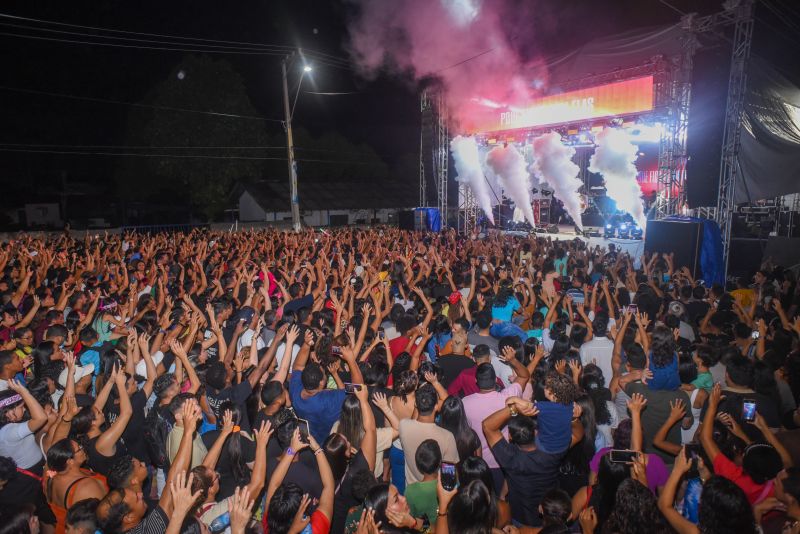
(367, 381)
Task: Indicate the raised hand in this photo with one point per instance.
(301, 520)
(182, 497)
(239, 507)
(677, 410)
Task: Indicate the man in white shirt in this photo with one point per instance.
(600, 349)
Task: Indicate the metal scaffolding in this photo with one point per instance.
(434, 151)
(741, 15)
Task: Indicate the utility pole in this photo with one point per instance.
(294, 200)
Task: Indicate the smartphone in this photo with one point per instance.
(622, 456)
(633, 308)
(302, 424)
(693, 451)
(749, 410)
(351, 388)
(336, 349)
(381, 335)
(755, 334)
(448, 472)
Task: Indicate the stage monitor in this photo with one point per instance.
(706, 124)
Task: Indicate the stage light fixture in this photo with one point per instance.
(307, 68)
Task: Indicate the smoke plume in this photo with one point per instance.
(614, 159)
(468, 171)
(510, 167)
(553, 165)
(463, 43)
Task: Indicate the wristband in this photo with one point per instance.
(290, 451)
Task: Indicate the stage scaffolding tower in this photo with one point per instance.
(742, 14)
(434, 151)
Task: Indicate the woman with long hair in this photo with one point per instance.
(238, 451)
(663, 360)
(67, 481)
(472, 510)
(574, 469)
(602, 494)
(349, 451)
(102, 446)
(476, 468)
(391, 510)
(453, 418)
(403, 404)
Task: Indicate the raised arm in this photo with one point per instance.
(676, 414)
(707, 431)
(369, 442)
(212, 457)
(492, 426)
(191, 416)
(259, 475)
(666, 501)
(636, 405)
(38, 416)
(106, 444)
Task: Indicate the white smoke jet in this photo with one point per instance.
(553, 165)
(469, 171)
(614, 159)
(510, 167)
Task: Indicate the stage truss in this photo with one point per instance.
(672, 100)
(434, 151)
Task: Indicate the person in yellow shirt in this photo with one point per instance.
(743, 295)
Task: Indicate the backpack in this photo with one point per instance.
(156, 431)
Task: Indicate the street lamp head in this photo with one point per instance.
(307, 68)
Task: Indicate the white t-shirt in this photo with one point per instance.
(599, 351)
(247, 338)
(19, 443)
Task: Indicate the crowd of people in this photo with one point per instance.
(383, 381)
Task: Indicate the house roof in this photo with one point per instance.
(273, 195)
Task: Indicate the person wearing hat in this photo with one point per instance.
(82, 379)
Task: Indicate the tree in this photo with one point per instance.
(205, 84)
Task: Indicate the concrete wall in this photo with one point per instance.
(251, 211)
(43, 215)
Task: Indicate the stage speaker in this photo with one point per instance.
(684, 239)
(593, 219)
(706, 126)
(405, 220)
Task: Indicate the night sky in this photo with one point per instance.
(383, 113)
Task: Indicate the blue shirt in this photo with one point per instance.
(665, 378)
(504, 313)
(321, 410)
(554, 428)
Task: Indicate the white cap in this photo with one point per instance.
(141, 366)
(80, 372)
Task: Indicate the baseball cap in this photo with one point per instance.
(80, 372)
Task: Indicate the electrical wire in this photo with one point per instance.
(127, 32)
(182, 156)
(135, 104)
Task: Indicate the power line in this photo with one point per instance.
(135, 104)
(179, 156)
(329, 57)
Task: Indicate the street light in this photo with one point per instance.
(289, 112)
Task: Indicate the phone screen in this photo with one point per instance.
(622, 456)
(302, 424)
(351, 388)
(448, 476)
(749, 410)
(755, 334)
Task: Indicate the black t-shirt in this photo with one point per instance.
(133, 435)
(530, 475)
(733, 403)
(696, 310)
(344, 499)
(380, 418)
(24, 488)
(303, 472)
(227, 480)
(237, 394)
(100, 463)
(298, 304)
(452, 365)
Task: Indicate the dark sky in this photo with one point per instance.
(384, 112)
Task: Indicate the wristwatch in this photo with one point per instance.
(290, 451)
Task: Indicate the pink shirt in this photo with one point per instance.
(479, 406)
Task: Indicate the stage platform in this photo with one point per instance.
(634, 247)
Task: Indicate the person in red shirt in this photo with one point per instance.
(761, 462)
